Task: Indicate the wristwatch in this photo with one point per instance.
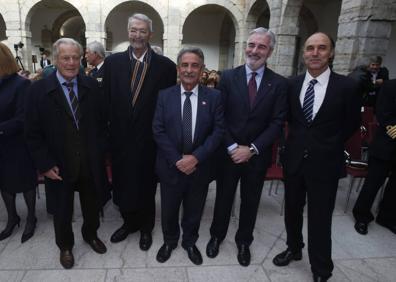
(252, 150)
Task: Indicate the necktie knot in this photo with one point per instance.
(253, 75)
(313, 82)
(69, 85)
(188, 94)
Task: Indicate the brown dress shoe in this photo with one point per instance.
(66, 259)
(97, 245)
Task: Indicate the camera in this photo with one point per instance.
(41, 49)
(19, 45)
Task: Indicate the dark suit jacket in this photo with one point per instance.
(167, 129)
(322, 141)
(98, 75)
(384, 147)
(48, 117)
(132, 145)
(260, 125)
(17, 173)
(42, 63)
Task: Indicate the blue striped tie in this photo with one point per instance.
(309, 100)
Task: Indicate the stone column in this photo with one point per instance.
(284, 23)
(173, 34)
(364, 30)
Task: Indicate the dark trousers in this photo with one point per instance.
(321, 195)
(378, 171)
(63, 195)
(191, 193)
(252, 181)
(143, 219)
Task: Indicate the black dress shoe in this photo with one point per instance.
(243, 255)
(391, 227)
(145, 241)
(164, 253)
(284, 258)
(317, 278)
(97, 245)
(66, 259)
(212, 249)
(120, 234)
(194, 255)
(361, 227)
(29, 230)
(9, 228)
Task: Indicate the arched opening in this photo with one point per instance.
(259, 15)
(316, 15)
(50, 20)
(390, 58)
(117, 23)
(211, 28)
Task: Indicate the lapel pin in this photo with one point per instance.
(203, 103)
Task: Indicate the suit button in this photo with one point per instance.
(1, 132)
(305, 156)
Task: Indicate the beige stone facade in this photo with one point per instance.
(220, 27)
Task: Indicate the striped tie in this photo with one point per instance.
(309, 101)
(73, 102)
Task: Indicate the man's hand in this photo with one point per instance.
(53, 174)
(241, 154)
(187, 164)
(391, 131)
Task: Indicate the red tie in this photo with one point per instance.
(252, 89)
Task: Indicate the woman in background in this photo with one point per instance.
(17, 173)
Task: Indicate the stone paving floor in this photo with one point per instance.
(356, 257)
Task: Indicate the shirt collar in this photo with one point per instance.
(100, 65)
(194, 90)
(259, 71)
(322, 79)
(61, 79)
(141, 57)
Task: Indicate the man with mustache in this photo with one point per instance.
(254, 110)
(324, 111)
(188, 127)
(132, 80)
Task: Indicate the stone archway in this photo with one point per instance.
(211, 28)
(48, 20)
(117, 21)
(258, 15)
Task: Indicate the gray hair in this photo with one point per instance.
(375, 60)
(195, 50)
(141, 17)
(264, 31)
(66, 41)
(97, 47)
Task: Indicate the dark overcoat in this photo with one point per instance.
(132, 146)
(47, 117)
(17, 173)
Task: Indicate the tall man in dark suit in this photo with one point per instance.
(132, 81)
(324, 111)
(382, 164)
(188, 127)
(254, 111)
(65, 135)
(95, 55)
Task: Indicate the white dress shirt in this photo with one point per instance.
(319, 88)
(194, 106)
